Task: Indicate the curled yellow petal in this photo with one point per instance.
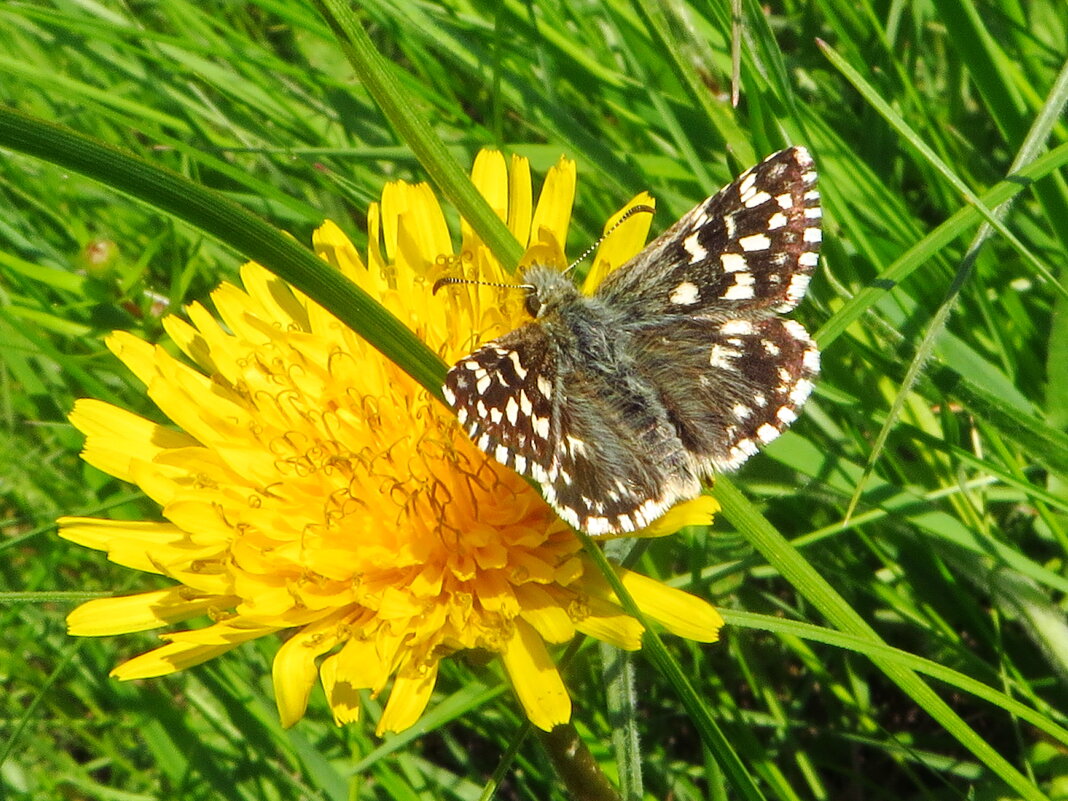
(294, 671)
(408, 698)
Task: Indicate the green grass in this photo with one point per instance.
(941, 411)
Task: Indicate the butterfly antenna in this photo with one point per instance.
(642, 209)
(449, 280)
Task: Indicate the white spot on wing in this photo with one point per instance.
(742, 289)
(540, 426)
(743, 327)
(811, 360)
(757, 199)
(685, 294)
(733, 262)
(755, 242)
(798, 285)
(722, 357)
(776, 221)
(767, 432)
(693, 246)
(799, 394)
(576, 445)
(747, 183)
(520, 370)
(545, 387)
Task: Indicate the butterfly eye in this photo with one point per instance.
(532, 303)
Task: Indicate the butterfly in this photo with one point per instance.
(618, 404)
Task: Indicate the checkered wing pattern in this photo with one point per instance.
(751, 246)
(502, 394)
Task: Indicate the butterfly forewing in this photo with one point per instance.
(502, 394)
(752, 245)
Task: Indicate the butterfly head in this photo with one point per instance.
(547, 290)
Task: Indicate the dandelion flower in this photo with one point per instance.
(309, 486)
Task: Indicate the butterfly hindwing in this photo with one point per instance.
(731, 385)
(618, 462)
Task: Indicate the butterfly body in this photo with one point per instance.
(618, 404)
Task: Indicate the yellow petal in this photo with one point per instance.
(553, 213)
(697, 511)
(408, 698)
(229, 632)
(520, 200)
(679, 612)
(333, 246)
(146, 610)
(490, 177)
(136, 354)
(344, 699)
(117, 439)
(272, 297)
(544, 613)
(605, 621)
(368, 663)
(141, 545)
(168, 659)
(535, 678)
